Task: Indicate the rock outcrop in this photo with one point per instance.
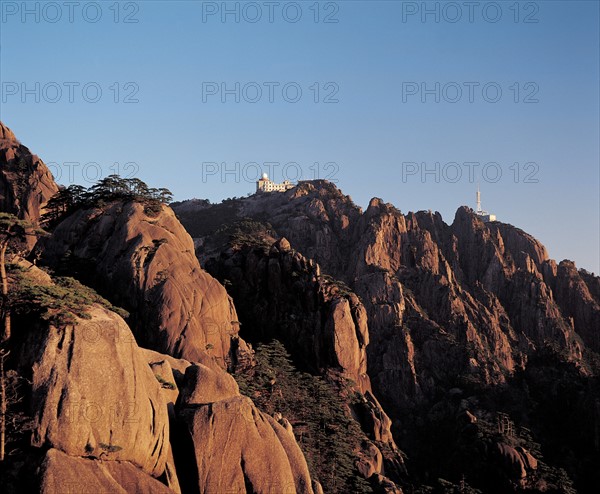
(236, 447)
(576, 293)
(26, 183)
(470, 298)
(95, 396)
(518, 462)
(146, 263)
(95, 403)
(282, 294)
(100, 406)
(204, 385)
(61, 473)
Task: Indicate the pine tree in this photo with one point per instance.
(12, 232)
(326, 433)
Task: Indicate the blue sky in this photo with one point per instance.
(360, 118)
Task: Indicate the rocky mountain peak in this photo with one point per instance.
(26, 183)
(6, 133)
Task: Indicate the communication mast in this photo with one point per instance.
(484, 215)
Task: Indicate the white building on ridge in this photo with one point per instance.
(266, 185)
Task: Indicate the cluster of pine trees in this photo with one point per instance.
(322, 425)
(106, 190)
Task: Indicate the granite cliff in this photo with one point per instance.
(26, 183)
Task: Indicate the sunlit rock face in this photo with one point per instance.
(26, 183)
(146, 263)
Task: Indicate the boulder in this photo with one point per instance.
(204, 385)
(177, 365)
(371, 460)
(94, 395)
(238, 448)
(64, 474)
(518, 462)
(235, 446)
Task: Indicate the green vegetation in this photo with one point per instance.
(506, 431)
(244, 232)
(107, 190)
(442, 486)
(110, 448)
(16, 422)
(60, 303)
(151, 252)
(164, 383)
(342, 289)
(106, 448)
(327, 434)
(550, 400)
(13, 232)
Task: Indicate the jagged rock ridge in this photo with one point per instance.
(449, 306)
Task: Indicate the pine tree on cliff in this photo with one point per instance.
(13, 231)
(106, 190)
(63, 202)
